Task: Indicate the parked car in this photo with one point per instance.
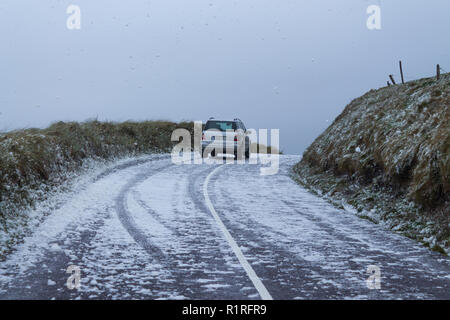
(226, 137)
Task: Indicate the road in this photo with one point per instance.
(150, 229)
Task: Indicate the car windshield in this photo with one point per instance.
(221, 125)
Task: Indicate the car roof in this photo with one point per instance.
(225, 120)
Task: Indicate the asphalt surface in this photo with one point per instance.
(150, 229)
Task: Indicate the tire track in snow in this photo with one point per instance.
(203, 257)
(128, 222)
(142, 239)
(286, 275)
(358, 244)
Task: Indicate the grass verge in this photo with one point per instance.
(36, 162)
(388, 156)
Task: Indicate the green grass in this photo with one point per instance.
(438, 249)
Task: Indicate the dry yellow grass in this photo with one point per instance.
(265, 149)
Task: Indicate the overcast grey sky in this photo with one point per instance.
(291, 65)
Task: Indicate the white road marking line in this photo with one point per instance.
(265, 295)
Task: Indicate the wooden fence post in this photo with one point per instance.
(392, 78)
(401, 72)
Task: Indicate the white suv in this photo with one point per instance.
(226, 137)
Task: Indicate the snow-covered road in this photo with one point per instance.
(154, 230)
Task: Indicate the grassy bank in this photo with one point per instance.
(387, 154)
(34, 162)
(260, 148)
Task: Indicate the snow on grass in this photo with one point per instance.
(387, 156)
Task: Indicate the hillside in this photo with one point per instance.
(37, 163)
(387, 155)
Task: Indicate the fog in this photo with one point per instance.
(291, 65)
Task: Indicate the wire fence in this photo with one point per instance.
(439, 71)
